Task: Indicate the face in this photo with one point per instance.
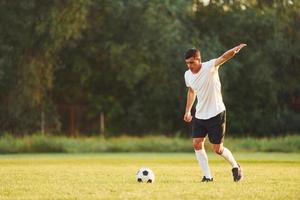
(193, 63)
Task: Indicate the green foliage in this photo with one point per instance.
(59, 144)
(290, 143)
(125, 59)
(37, 31)
(256, 90)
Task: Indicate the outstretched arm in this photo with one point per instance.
(229, 54)
(191, 96)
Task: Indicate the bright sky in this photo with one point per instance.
(206, 2)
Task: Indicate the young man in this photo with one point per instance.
(202, 80)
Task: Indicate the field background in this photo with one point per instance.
(92, 90)
(112, 176)
(46, 143)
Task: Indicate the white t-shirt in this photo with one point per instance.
(206, 83)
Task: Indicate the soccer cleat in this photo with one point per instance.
(237, 173)
(204, 179)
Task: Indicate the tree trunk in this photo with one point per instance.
(102, 123)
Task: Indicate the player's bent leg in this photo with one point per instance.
(216, 132)
(226, 153)
(218, 148)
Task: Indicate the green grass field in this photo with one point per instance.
(112, 176)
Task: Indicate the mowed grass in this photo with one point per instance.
(112, 176)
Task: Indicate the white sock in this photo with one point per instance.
(203, 162)
(229, 157)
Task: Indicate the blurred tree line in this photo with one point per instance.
(116, 66)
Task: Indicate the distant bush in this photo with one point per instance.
(59, 144)
(277, 144)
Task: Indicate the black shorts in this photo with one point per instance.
(214, 127)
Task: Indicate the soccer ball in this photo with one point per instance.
(145, 175)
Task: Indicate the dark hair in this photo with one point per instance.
(191, 53)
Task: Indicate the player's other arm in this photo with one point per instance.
(229, 54)
(191, 96)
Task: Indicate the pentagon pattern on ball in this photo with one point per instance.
(145, 175)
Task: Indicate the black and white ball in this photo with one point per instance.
(145, 175)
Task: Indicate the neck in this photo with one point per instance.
(197, 69)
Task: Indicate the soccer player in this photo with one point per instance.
(203, 82)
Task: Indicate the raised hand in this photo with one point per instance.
(239, 47)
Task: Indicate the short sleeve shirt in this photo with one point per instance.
(206, 83)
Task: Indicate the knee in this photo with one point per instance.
(218, 149)
(198, 145)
